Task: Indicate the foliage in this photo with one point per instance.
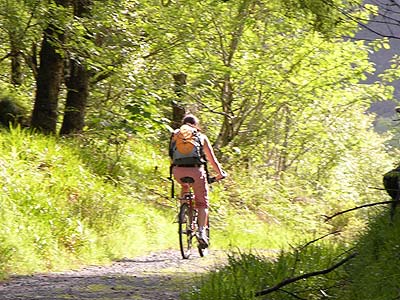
(377, 265)
(247, 273)
(259, 73)
(56, 212)
(359, 278)
(300, 197)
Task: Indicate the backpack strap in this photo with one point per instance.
(172, 182)
(170, 150)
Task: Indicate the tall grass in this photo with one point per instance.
(372, 274)
(67, 202)
(248, 273)
(375, 274)
(57, 212)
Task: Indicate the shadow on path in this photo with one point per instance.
(153, 277)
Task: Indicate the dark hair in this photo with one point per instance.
(190, 119)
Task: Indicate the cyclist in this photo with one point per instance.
(199, 173)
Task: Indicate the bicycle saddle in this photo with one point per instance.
(187, 179)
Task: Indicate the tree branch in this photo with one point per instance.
(368, 26)
(304, 276)
(318, 239)
(327, 218)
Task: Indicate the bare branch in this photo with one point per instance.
(320, 238)
(301, 248)
(367, 24)
(327, 218)
(305, 276)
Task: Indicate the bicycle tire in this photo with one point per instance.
(185, 231)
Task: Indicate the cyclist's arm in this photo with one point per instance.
(210, 155)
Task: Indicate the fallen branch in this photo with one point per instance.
(298, 250)
(304, 276)
(327, 218)
(317, 239)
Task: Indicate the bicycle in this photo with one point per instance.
(188, 217)
(188, 223)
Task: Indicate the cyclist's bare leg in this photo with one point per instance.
(202, 221)
(202, 216)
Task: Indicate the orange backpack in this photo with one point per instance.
(186, 147)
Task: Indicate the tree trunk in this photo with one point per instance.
(226, 134)
(77, 83)
(50, 74)
(178, 110)
(77, 97)
(228, 130)
(16, 65)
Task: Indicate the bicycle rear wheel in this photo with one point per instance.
(185, 231)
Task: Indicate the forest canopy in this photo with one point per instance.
(277, 84)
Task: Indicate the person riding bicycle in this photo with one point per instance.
(194, 165)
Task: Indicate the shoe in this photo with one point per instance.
(203, 238)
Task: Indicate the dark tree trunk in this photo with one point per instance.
(77, 84)
(77, 96)
(227, 132)
(178, 109)
(82, 8)
(16, 65)
(50, 74)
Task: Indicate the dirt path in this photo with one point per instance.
(153, 277)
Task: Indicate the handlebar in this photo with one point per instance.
(211, 180)
(214, 179)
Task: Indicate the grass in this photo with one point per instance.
(68, 202)
(242, 229)
(373, 274)
(56, 212)
(248, 273)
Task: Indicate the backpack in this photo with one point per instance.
(186, 147)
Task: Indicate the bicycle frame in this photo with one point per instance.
(188, 226)
(189, 199)
(188, 217)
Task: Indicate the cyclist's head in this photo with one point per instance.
(190, 119)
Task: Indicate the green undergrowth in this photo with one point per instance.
(324, 268)
(86, 200)
(58, 213)
(375, 273)
(68, 202)
(250, 272)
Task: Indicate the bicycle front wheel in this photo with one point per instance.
(185, 231)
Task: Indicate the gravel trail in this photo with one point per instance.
(159, 275)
